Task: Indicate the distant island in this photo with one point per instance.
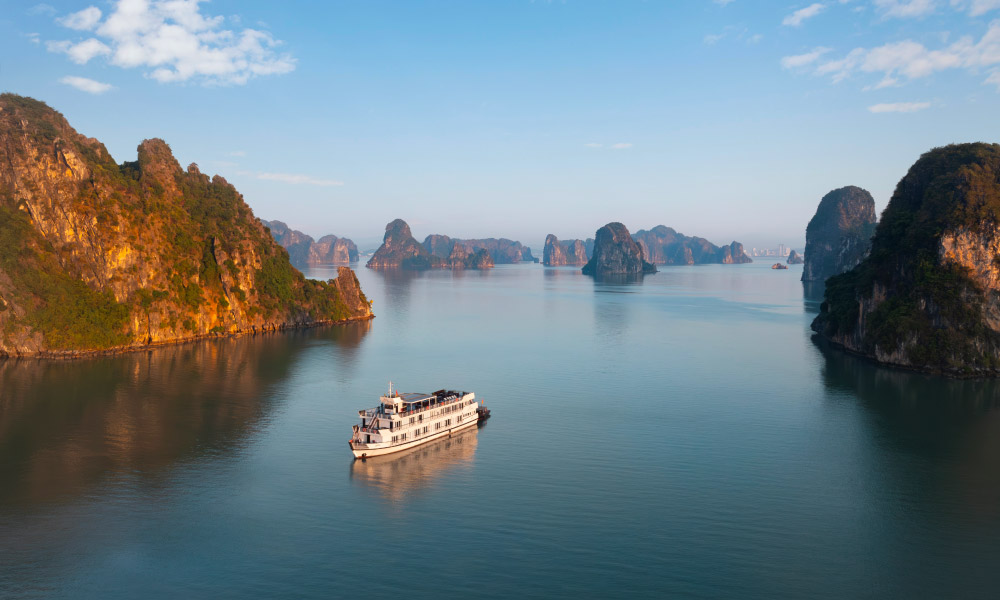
(565, 253)
(660, 245)
(927, 297)
(839, 235)
(99, 256)
(305, 252)
(401, 250)
(794, 258)
(617, 255)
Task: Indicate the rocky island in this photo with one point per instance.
(616, 254)
(400, 250)
(100, 256)
(306, 252)
(664, 246)
(564, 253)
(839, 235)
(794, 258)
(502, 251)
(928, 295)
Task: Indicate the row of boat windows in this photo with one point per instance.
(415, 434)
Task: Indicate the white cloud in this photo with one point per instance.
(82, 52)
(755, 38)
(238, 153)
(84, 20)
(904, 8)
(976, 7)
(86, 85)
(42, 9)
(723, 2)
(899, 107)
(796, 18)
(802, 60)
(593, 144)
(296, 179)
(909, 60)
(34, 38)
(621, 146)
(712, 38)
(173, 41)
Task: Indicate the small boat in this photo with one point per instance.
(779, 266)
(404, 421)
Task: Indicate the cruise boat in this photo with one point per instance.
(404, 421)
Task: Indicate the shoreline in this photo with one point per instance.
(81, 354)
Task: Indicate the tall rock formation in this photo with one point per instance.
(401, 250)
(794, 258)
(559, 253)
(839, 235)
(928, 295)
(305, 252)
(616, 253)
(664, 246)
(96, 256)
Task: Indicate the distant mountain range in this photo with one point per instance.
(304, 251)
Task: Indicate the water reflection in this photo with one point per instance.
(397, 477)
(396, 287)
(953, 426)
(67, 425)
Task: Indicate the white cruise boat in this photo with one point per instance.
(404, 421)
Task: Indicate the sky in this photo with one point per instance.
(727, 119)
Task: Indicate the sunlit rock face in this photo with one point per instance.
(839, 235)
(927, 296)
(96, 255)
(558, 253)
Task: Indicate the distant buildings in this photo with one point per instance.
(781, 250)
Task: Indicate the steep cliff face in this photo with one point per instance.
(97, 256)
(664, 246)
(928, 295)
(838, 236)
(616, 253)
(305, 252)
(401, 250)
(567, 252)
(794, 258)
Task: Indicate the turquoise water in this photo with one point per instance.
(680, 436)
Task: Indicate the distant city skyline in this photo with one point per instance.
(725, 119)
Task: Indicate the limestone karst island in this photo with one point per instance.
(102, 256)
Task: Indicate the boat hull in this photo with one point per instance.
(370, 450)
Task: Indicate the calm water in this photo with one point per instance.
(681, 436)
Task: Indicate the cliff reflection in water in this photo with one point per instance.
(397, 476)
(953, 425)
(67, 425)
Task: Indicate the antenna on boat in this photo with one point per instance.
(390, 389)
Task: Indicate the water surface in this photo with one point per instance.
(683, 435)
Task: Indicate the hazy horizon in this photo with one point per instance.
(723, 119)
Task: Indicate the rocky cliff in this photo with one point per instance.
(304, 251)
(616, 253)
(567, 252)
(794, 258)
(838, 236)
(664, 246)
(927, 297)
(98, 256)
(400, 249)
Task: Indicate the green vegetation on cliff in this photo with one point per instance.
(910, 299)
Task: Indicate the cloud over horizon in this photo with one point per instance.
(86, 85)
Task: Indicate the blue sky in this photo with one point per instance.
(725, 119)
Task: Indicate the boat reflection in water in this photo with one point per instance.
(399, 475)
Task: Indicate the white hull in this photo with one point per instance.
(369, 450)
